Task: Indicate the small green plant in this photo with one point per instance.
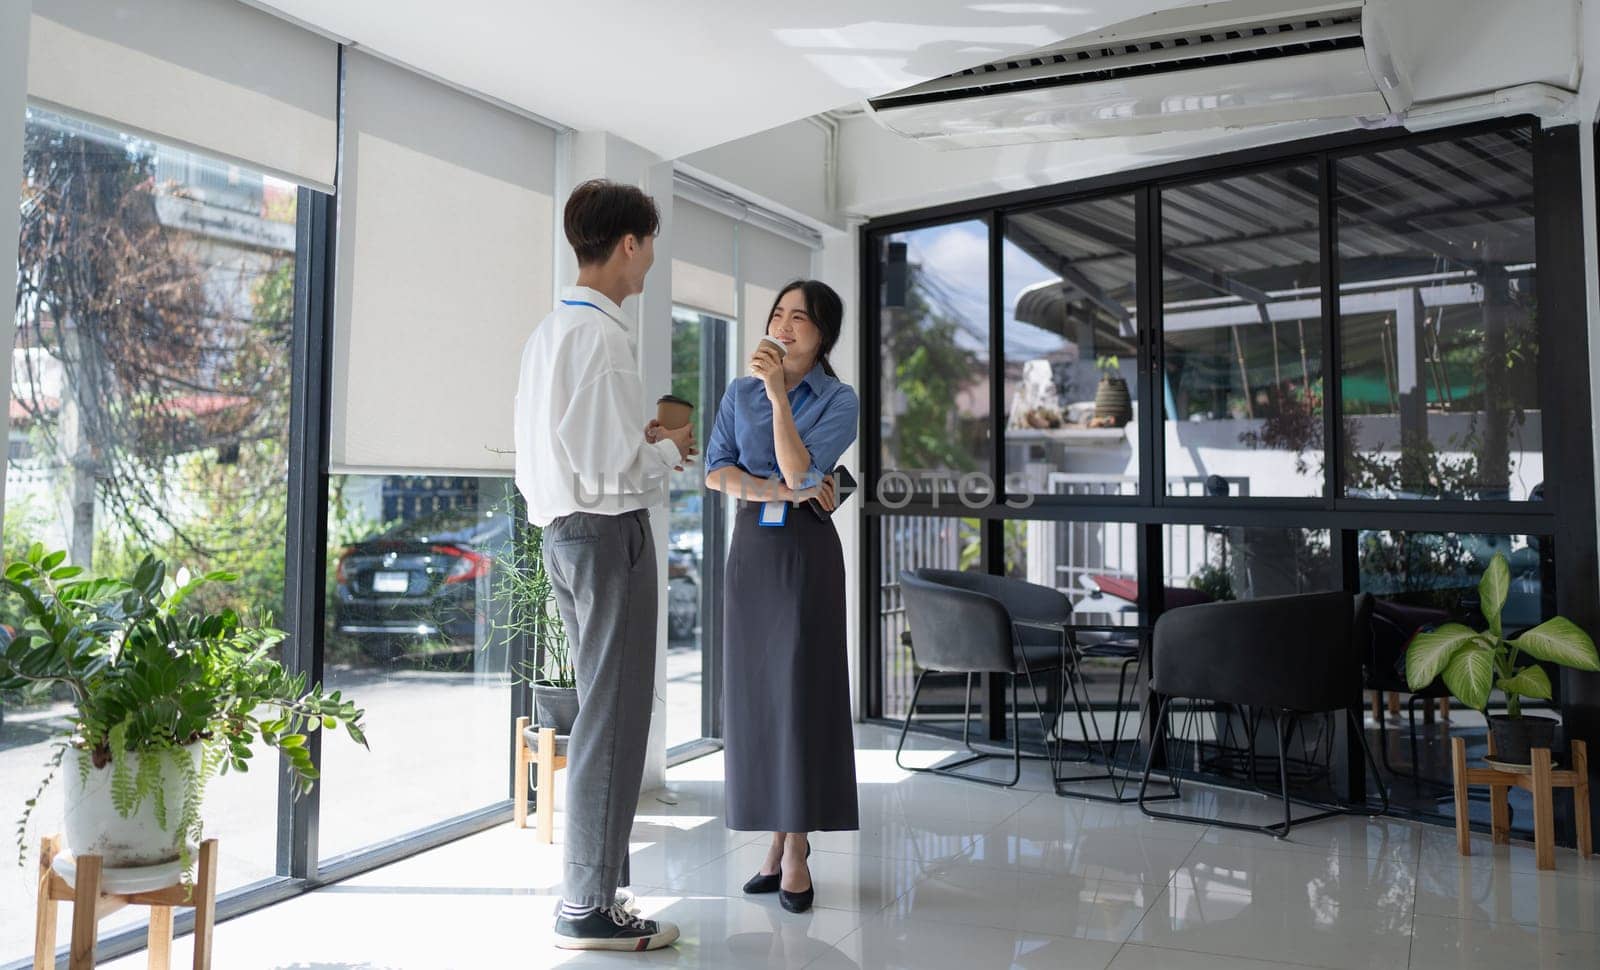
(149, 677)
(1473, 664)
(523, 585)
(1214, 581)
(1109, 364)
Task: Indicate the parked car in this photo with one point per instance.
(418, 582)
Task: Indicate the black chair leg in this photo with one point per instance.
(1283, 776)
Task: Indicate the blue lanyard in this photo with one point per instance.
(582, 303)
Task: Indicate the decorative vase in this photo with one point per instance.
(555, 707)
(1516, 737)
(1111, 401)
(95, 827)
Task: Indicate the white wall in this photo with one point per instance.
(586, 155)
(14, 19)
(838, 265)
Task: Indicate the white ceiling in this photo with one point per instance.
(676, 77)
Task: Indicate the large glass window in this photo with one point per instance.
(1241, 297)
(1210, 563)
(412, 633)
(914, 542)
(934, 353)
(699, 375)
(1438, 326)
(149, 411)
(1072, 348)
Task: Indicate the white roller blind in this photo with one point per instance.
(703, 259)
(213, 75)
(766, 263)
(444, 267)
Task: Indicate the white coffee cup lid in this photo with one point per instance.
(783, 351)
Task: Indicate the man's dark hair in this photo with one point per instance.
(601, 212)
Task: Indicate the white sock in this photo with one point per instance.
(575, 911)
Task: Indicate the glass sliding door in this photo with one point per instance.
(697, 537)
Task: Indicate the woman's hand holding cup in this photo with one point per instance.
(767, 363)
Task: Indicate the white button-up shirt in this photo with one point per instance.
(580, 416)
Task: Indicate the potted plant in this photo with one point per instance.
(164, 699)
(1474, 663)
(1113, 407)
(523, 587)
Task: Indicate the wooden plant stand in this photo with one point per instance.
(1541, 782)
(541, 753)
(90, 905)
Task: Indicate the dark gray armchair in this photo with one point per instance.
(963, 623)
(1281, 655)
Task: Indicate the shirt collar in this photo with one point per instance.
(817, 378)
(583, 294)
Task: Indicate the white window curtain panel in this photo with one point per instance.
(766, 262)
(215, 76)
(444, 267)
(704, 261)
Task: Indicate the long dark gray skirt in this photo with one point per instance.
(789, 745)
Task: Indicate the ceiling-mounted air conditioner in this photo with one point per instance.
(1220, 65)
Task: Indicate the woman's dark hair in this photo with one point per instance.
(824, 308)
(601, 212)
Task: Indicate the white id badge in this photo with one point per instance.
(774, 513)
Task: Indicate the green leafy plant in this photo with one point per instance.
(1473, 664)
(523, 585)
(150, 675)
(1108, 364)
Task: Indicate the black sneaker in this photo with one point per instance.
(613, 929)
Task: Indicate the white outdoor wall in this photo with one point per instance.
(13, 109)
(213, 75)
(1587, 111)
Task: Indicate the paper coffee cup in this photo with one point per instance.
(673, 412)
(783, 351)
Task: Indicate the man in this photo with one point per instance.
(589, 469)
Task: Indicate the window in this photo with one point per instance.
(1241, 320)
(934, 337)
(1072, 350)
(1438, 326)
(412, 634)
(149, 411)
(914, 542)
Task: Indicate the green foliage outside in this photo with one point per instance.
(930, 369)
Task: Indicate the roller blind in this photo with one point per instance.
(444, 267)
(766, 263)
(212, 75)
(703, 259)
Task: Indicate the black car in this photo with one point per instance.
(422, 581)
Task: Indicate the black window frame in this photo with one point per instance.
(1566, 514)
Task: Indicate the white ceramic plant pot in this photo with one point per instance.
(95, 827)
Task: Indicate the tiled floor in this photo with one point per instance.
(946, 874)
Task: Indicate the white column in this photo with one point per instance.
(592, 154)
(14, 18)
(838, 265)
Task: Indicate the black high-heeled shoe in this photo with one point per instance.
(762, 883)
(801, 901)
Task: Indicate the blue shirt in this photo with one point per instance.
(825, 412)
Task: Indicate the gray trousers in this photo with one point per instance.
(603, 568)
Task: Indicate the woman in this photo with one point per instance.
(789, 752)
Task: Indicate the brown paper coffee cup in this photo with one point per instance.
(673, 412)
